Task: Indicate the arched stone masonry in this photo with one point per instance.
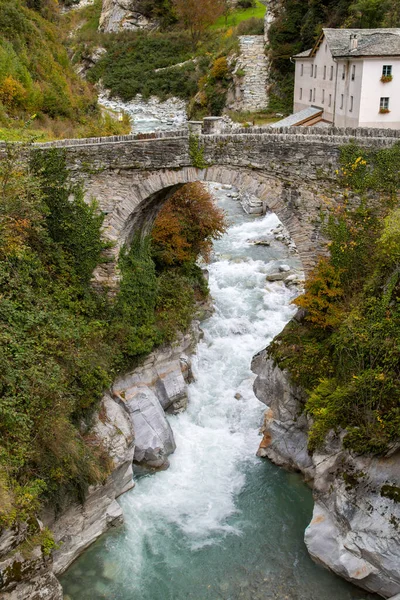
(131, 203)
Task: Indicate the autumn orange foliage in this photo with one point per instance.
(197, 15)
(186, 226)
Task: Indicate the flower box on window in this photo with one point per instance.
(384, 111)
(386, 78)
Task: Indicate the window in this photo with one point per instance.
(341, 100)
(323, 96)
(324, 71)
(351, 103)
(330, 100)
(312, 70)
(326, 47)
(301, 93)
(315, 71)
(313, 99)
(331, 77)
(301, 69)
(344, 72)
(384, 104)
(353, 72)
(387, 70)
(310, 96)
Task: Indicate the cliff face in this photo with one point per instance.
(117, 15)
(356, 521)
(131, 426)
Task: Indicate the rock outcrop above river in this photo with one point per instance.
(355, 525)
(130, 427)
(117, 15)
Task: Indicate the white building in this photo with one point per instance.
(353, 76)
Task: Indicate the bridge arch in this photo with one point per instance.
(131, 200)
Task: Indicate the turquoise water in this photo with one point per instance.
(219, 523)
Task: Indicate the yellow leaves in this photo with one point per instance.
(220, 68)
(12, 92)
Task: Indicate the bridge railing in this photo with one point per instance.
(276, 133)
(115, 138)
(360, 132)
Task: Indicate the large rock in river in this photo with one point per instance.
(154, 440)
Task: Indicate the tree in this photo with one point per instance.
(186, 226)
(197, 15)
(369, 13)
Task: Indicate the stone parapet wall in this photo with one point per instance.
(338, 135)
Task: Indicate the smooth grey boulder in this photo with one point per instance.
(154, 440)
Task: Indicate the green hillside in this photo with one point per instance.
(37, 80)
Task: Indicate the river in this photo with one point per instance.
(220, 523)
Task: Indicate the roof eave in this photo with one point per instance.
(366, 55)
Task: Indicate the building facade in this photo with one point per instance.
(353, 75)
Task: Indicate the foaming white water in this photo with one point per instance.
(217, 437)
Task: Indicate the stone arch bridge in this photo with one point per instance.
(291, 170)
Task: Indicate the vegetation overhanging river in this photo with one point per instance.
(219, 523)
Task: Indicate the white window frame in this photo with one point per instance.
(301, 70)
(351, 103)
(341, 101)
(384, 102)
(353, 72)
(324, 71)
(310, 100)
(330, 100)
(387, 70)
(323, 96)
(312, 70)
(331, 76)
(301, 93)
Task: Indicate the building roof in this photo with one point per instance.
(368, 42)
(298, 118)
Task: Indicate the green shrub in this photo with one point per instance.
(129, 67)
(252, 26)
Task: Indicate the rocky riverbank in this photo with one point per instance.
(132, 428)
(354, 530)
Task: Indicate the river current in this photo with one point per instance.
(220, 523)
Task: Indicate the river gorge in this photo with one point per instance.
(220, 523)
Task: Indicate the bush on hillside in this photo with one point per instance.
(252, 26)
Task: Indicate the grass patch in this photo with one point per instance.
(256, 118)
(239, 15)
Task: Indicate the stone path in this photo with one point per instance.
(254, 63)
